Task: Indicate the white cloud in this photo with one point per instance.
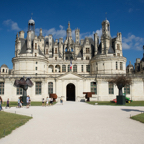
(12, 24)
(61, 27)
(132, 41)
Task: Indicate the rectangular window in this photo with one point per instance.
(127, 89)
(87, 50)
(35, 45)
(19, 91)
(121, 66)
(118, 47)
(75, 68)
(116, 66)
(38, 88)
(55, 50)
(81, 68)
(50, 88)
(63, 68)
(118, 54)
(55, 58)
(46, 51)
(111, 88)
(87, 68)
(94, 87)
(36, 68)
(1, 88)
(68, 68)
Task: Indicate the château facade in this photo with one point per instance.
(47, 62)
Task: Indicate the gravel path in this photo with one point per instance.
(78, 123)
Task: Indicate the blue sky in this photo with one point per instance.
(125, 16)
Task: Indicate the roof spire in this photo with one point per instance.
(31, 15)
(106, 15)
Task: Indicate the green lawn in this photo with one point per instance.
(134, 103)
(14, 104)
(10, 121)
(139, 117)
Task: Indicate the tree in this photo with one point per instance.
(121, 81)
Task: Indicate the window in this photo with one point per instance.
(71, 49)
(81, 58)
(35, 45)
(50, 88)
(38, 88)
(2, 88)
(116, 66)
(36, 68)
(55, 50)
(68, 68)
(75, 68)
(87, 50)
(127, 89)
(3, 70)
(118, 47)
(55, 58)
(19, 91)
(87, 68)
(36, 62)
(66, 50)
(87, 58)
(94, 87)
(118, 54)
(111, 88)
(63, 68)
(35, 54)
(66, 58)
(46, 51)
(121, 66)
(81, 68)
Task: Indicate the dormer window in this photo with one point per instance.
(35, 54)
(55, 50)
(87, 58)
(118, 47)
(87, 50)
(35, 45)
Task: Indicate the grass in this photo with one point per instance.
(14, 104)
(134, 103)
(139, 117)
(10, 121)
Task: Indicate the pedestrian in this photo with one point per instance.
(18, 102)
(61, 100)
(8, 103)
(21, 102)
(51, 101)
(1, 102)
(47, 101)
(28, 102)
(43, 102)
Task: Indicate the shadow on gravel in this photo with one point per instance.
(128, 110)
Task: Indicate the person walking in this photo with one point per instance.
(47, 101)
(1, 102)
(18, 102)
(51, 101)
(61, 100)
(28, 102)
(8, 103)
(43, 102)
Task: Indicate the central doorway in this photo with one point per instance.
(70, 92)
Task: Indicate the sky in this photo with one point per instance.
(125, 16)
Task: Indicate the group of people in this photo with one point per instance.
(20, 102)
(1, 102)
(49, 101)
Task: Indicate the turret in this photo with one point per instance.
(68, 30)
(96, 42)
(31, 27)
(21, 34)
(77, 36)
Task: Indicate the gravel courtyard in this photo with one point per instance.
(78, 123)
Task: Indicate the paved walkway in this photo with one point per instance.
(78, 123)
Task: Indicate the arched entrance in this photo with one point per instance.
(70, 92)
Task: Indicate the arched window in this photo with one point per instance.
(68, 68)
(75, 68)
(87, 58)
(50, 87)
(71, 49)
(63, 68)
(65, 49)
(6, 70)
(3, 70)
(94, 87)
(50, 68)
